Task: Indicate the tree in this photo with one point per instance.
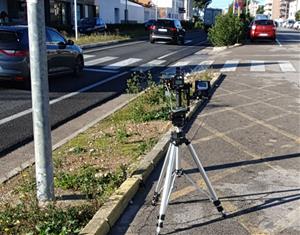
(260, 10)
(201, 4)
(297, 15)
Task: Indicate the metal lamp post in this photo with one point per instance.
(75, 19)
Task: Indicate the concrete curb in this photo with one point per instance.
(109, 213)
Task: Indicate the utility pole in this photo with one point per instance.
(75, 19)
(40, 100)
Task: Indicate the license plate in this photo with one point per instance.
(263, 34)
(162, 30)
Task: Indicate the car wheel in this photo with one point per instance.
(79, 64)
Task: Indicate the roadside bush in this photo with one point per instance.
(227, 31)
(297, 15)
(199, 24)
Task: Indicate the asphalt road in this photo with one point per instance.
(104, 77)
(247, 138)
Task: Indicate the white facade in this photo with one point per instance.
(268, 8)
(173, 11)
(113, 11)
(293, 8)
(253, 7)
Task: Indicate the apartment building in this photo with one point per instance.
(284, 9)
(272, 9)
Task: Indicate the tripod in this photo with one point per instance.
(171, 169)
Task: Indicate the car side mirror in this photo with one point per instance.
(70, 42)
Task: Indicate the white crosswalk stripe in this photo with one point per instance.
(180, 63)
(149, 65)
(122, 63)
(203, 66)
(257, 66)
(86, 56)
(230, 66)
(286, 66)
(100, 60)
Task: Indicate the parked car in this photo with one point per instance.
(91, 25)
(167, 30)
(288, 23)
(263, 29)
(63, 56)
(296, 25)
(148, 24)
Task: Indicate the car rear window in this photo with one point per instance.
(264, 22)
(165, 23)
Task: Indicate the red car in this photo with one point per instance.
(261, 29)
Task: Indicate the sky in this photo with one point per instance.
(224, 3)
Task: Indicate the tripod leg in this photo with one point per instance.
(161, 177)
(166, 190)
(212, 192)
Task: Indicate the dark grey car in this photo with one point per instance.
(62, 55)
(167, 30)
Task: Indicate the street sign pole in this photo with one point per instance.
(40, 100)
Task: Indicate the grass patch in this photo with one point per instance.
(94, 38)
(92, 165)
(110, 36)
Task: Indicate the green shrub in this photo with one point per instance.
(297, 15)
(227, 31)
(199, 24)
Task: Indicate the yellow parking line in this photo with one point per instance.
(269, 126)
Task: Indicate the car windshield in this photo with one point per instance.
(264, 22)
(165, 23)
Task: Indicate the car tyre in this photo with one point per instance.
(79, 64)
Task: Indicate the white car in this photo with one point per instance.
(296, 25)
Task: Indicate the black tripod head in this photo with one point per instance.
(175, 83)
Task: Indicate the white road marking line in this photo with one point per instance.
(278, 43)
(100, 70)
(188, 41)
(286, 66)
(115, 46)
(203, 66)
(86, 56)
(122, 63)
(257, 66)
(100, 60)
(28, 111)
(149, 65)
(230, 66)
(166, 55)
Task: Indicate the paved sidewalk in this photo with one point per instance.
(248, 139)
